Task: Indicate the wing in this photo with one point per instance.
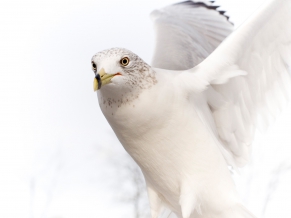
(246, 79)
(186, 33)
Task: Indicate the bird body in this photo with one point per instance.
(173, 143)
(184, 127)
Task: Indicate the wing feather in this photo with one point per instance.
(247, 78)
(186, 33)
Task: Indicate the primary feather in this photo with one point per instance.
(260, 51)
(186, 33)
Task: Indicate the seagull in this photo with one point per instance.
(192, 114)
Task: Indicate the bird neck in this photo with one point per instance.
(114, 98)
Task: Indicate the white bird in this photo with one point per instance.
(186, 123)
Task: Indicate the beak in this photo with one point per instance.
(102, 78)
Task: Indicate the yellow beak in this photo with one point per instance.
(101, 78)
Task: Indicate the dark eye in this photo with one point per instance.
(94, 67)
(124, 61)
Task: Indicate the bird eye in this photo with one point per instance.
(124, 61)
(94, 67)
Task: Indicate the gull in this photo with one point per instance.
(192, 114)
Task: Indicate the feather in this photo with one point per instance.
(250, 71)
(186, 33)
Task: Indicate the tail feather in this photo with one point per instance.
(244, 211)
(238, 211)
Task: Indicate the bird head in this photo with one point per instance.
(120, 69)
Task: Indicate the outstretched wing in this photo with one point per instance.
(187, 32)
(246, 79)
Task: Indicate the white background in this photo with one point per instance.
(58, 155)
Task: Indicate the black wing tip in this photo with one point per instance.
(202, 4)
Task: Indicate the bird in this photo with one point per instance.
(191, 116)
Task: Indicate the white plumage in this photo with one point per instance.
(183, 128)
(192, 30)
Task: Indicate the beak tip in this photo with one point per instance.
(95, 85)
